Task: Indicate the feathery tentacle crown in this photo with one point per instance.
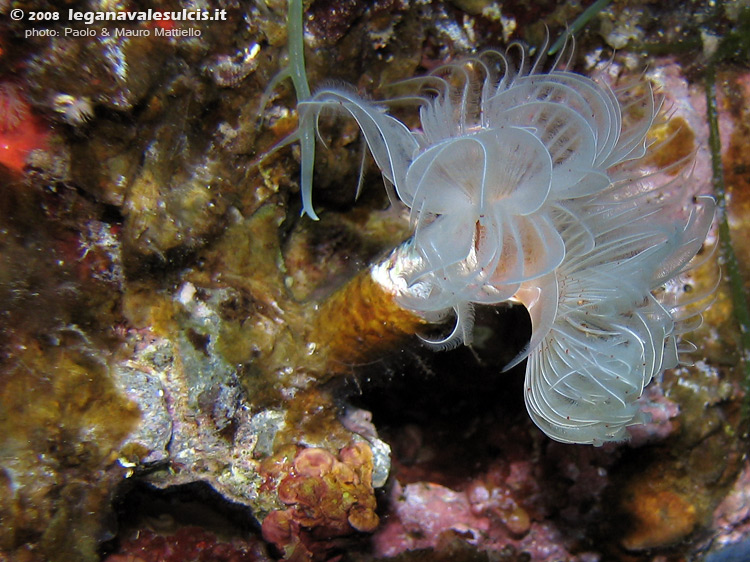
(532, 186)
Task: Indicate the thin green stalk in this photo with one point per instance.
(726, 250)
(578, 24)
(306, 130)
(296, 45)
(305, 133)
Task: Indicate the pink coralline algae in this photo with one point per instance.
(731, 519)
(188, 544)
(421, 513)
(425, 513)
(520, 505)
(327, 498)
(660, 413)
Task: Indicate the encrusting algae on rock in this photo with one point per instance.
(64, 420)
(326, 496)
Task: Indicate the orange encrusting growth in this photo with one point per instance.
(325, 496)
(660, 516)
(674, 143)
(20, 130)
(16, 144)
(359, 321)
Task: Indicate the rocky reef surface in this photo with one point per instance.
(189, 370)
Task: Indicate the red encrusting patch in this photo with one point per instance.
(20, 130)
